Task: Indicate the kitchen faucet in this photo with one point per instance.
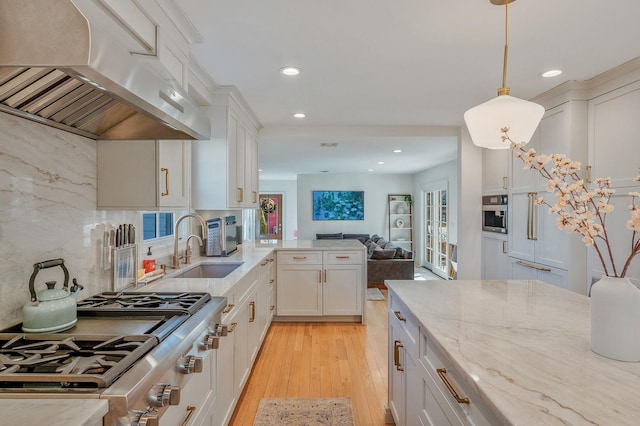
(187, 252)
(176, 261)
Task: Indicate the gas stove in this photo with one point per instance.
(137, 350)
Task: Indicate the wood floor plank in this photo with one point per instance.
(323, 360)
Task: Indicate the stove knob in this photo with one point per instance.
(193, 364)
(211, 341)
(163, 395)
(148, 419)
(220, 329)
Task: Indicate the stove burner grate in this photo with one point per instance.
(142, 303)
(63, 361)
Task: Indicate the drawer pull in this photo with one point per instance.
(190, 410)
(299, 257)
(233, 327)
(441, 372)
(396, 354)
(528, 265)
(252, 305)
(399, 316)
(343, 257)
(228, 308)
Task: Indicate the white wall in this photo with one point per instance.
(469, 208)
(432, 179)
(289, 191)
(376, 187)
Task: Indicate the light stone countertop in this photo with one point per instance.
(53, 412)
(251, 253)
(524, 347)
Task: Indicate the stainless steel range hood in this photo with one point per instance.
(59, 69)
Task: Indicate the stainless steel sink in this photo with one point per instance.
(210, 270)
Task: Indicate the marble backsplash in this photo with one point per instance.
(47, 211)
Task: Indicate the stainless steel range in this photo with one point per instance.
(138, 350)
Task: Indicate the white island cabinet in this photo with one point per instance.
(504, 352)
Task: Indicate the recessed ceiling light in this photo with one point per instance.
(380, 162)
(299, 115)
(551, 73)
(370, 170)
(397, 150)
(290, 71)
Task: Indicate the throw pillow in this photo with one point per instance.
(382, 242)
(371, 247)
(383, 254)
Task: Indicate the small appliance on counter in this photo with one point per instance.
(222, 239)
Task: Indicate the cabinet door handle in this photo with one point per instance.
(397, 344)
(228, 308)
(528, 265)
(399, 316)
(320, 276)
(587, 177)
(534, 217)
(264, 263)
(272, 307)
(504, 247)
(531, 216)
(255, 197)
(190, 410)
(441, 372)
(233, 327)
(240, 195)
(253, 311)
(324, 279)
(504, 182)
(166, 181)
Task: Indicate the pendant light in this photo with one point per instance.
(521, 117)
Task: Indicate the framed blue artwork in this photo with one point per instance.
(338, 205)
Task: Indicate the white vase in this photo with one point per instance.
(615, 319)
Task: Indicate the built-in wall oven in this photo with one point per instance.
(494, 213)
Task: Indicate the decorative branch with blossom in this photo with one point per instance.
(579, 210)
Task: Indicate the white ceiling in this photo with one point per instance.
(380, 74)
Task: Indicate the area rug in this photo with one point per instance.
(374, 293)
(304, 412)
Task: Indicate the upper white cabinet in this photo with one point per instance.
(142, 175)
(225, 168)
(495, 172)
(614, 135)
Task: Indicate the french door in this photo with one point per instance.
(436, 256)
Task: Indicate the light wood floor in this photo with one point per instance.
(323, 360)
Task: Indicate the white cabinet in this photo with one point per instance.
(495, 260)
(495, 171)
(401, 220)
(424, 386)
(142, 175)
(299, 290)
(522, 270)
(320, 283)
(248, 318)
(225, 168)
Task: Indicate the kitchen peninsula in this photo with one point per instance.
(518, 350)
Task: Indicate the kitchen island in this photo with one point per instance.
(519, 350)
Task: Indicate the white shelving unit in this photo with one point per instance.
(401, 220)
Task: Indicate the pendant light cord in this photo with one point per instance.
(504, 90)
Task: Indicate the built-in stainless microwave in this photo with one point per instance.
(494, 213)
